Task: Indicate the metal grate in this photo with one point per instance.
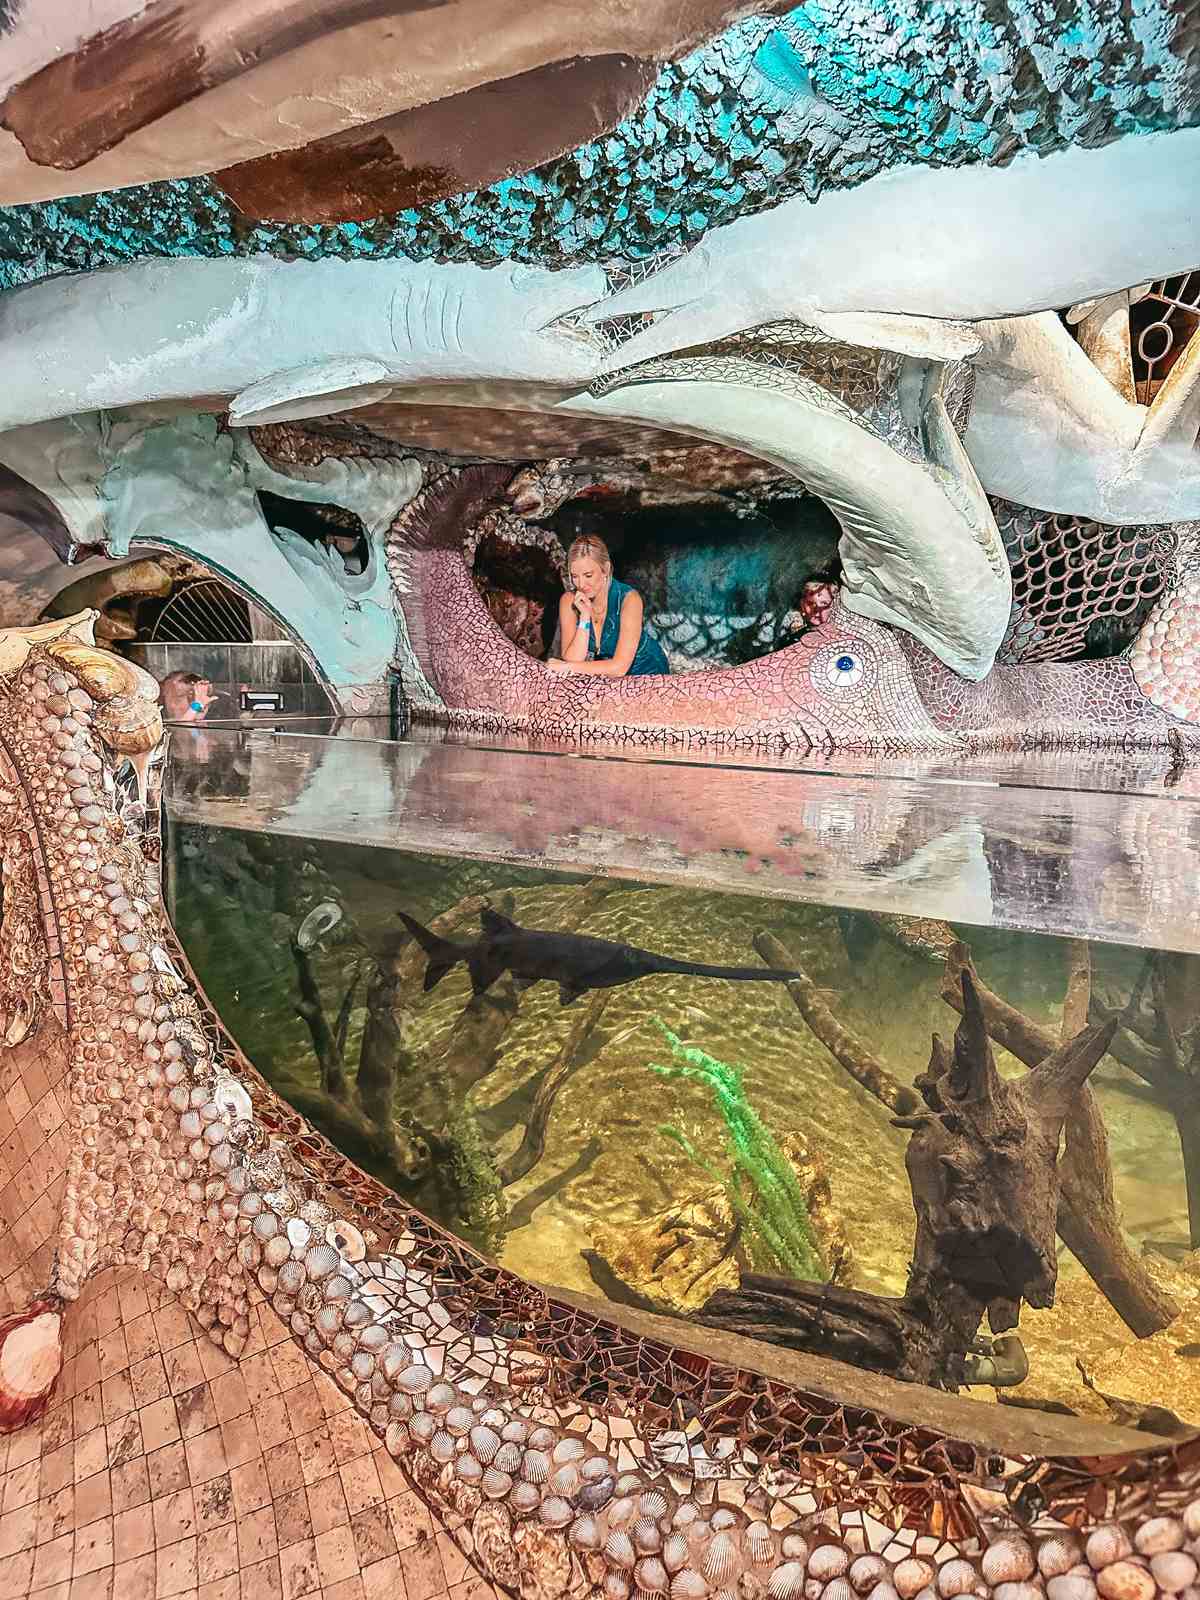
(204, 612)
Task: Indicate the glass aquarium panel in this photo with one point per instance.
(728, 1105)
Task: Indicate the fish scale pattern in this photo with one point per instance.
(822, 98)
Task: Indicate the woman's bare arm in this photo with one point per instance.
(627, 642)
(574, 639)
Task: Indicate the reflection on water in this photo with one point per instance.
(720, 1144)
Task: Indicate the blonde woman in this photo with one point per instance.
(601, 620)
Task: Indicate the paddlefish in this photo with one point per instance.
(575, 961)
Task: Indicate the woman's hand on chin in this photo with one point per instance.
(556, 665)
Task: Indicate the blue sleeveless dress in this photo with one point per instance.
(650, 658)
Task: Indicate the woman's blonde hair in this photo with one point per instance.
(589, 545)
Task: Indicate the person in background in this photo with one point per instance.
(185, 697)
(601, 620)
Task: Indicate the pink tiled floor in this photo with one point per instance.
(165, 1469)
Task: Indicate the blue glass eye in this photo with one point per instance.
(845, 670)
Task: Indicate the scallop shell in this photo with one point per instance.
(496, 1484)
(839, 1589)
(440, 1397)
(441, 1446)
(508, 1457)
(621, 1511)
(828, 1561)
(535, 1466)
(1125, 1580)
(458, 1420)
(910, 1576)
(650, 1576)
(564, 1480)
(1007, 1561)
(584, 1534)
(629, 1483)
(618, 1549)
(647, 1540)
(688, 1585)
(485, 1442)
(616, 1586)
(524, 1498)
(720, 1560)
(1017, 1590)
(795, 1548)
(760, 1546)
(955, 1578)
(1058, 1554)
(685, 1513)
(723, 1519)
(542, 1439)
(675, 1552)
(568, 1449)
(292, 1278)
(866, 1571)
(786, 1581)
(595, 1467)
(1106, 1545)
(423, 1427)
(653, 1503)
(516, 1431)
(556, 1512)
(467, 1468)
(413, 1380)
(397, 1440)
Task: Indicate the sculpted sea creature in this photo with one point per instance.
(576, 962)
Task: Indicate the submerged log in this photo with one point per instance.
(1086, 1218)
(982, 1169)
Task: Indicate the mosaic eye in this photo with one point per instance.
(844, 669)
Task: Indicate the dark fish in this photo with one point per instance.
(575, 961)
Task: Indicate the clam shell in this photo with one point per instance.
(723, 1519)
(413, 1380)
(1174, 1570)
(441, 1446)
(543, 1439)
(485, 1442)
(1158, 1536)
(866, 1571)
(535, 1466)
(1124, 1580)
(516, 1431)
(675, 1552)
(653, 1503)
(616, 1586)
(467, 1468)
(568, 1449)
(440, 1397)
(396, 1440)
(595, 1494)
(956, 1577)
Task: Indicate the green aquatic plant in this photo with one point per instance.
(483, 1206)
(762, 1187)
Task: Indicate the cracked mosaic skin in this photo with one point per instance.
(565, 1455)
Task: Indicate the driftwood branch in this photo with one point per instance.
(570, 1058)
(310, 1009)
(1087, 1219)
(846, 1048)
